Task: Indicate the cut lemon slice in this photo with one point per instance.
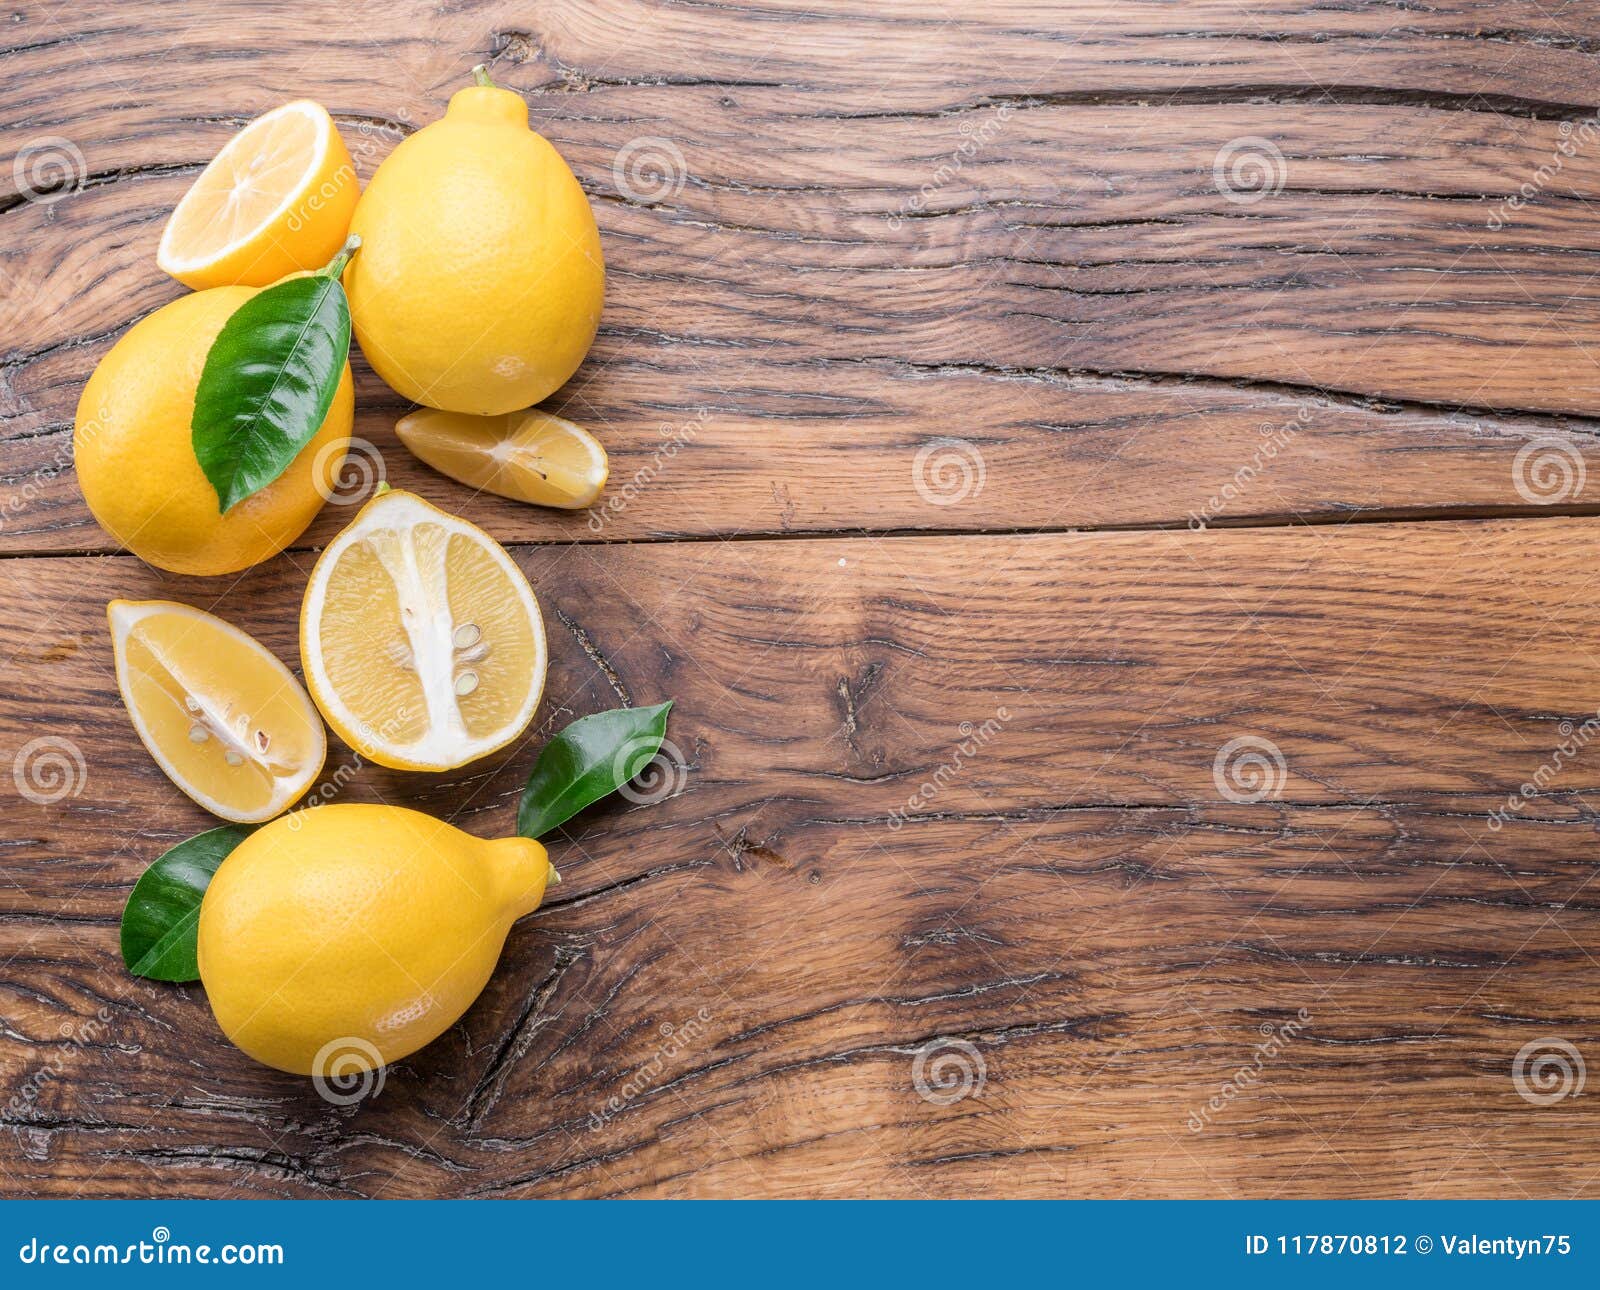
(527, 456)
(277, 198)
(223, 718)
(421, 640)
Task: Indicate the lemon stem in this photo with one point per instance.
(554, 876)
(481, 77)
(335, 266)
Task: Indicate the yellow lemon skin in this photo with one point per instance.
(341, 938)
(135, 458)
(480, 279)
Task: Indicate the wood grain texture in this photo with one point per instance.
(845, 263)
(903, 298)
(1077, 899)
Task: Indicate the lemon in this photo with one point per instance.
(480, 278)
(527, 456)
(420, 640)
(223, 718)
(277, 198)
(136, 461)
(340, 938)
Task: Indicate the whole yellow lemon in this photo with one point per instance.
(341, 938)
(135, 458)
(480, 279)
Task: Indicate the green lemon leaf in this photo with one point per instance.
(268, 382)
(590, 758)
(162, 915)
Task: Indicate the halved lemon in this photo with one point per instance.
(420, 639)
(223, 718)
(276, 199)
(528, 456)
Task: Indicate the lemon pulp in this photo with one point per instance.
(421, 640)
(528, 456)
(225, 720)
(277, 198)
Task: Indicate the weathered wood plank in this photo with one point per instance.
(1077, 898)
(825, 284)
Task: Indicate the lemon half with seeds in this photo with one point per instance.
(226, 721)
(421, 640)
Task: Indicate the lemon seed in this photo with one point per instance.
(198, 734)
(466, 683)
(466, 635)
(233, 758)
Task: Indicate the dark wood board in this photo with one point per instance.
(929, 307)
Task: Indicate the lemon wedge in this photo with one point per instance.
(225, 720)
(420, 639)
(528, 456)
(276, 199)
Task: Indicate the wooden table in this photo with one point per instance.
(1105, 486)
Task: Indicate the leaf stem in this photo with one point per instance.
(481, 77)
(335, 267)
